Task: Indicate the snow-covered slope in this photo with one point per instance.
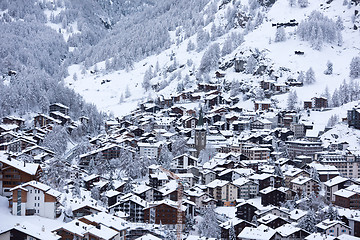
(106, 95)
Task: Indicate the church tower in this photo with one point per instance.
(200, 135)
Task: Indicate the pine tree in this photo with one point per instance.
(165, 157)
(210, 58)
(292, 3)
(308, 222)
(292, 100)
(329, 68)
(355, 67)
(127, 92)
(310, 76)
(303, 3)
(232, 233)
(332, 213)
(335, 99)
(280, 35)
(227, 47)
(254, 221)
(301, 77)
(209, 227)
(251, 65)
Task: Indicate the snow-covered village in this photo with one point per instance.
(191, 119)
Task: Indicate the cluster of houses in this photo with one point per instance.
(250, 161)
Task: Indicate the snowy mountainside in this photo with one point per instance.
(108, 86)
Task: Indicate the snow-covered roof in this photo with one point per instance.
(262, 232)
(344, 193)
(234, 221)
(241, 181)
(8, 127)
(296, 214)
(287, 229)
(29, 168)
(217, 183)
(335, 181)
(140, 189)
(103, 232)
(33, 231)
(107, 220)
(166, 202)
(320, 236)
(327, 223)
(147, 237)
(301, 180)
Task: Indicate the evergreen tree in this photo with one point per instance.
(335, 99)
(232, 233)
(209, 227)
(301, 77)
(146, 81)
(292, 100)
(254, 221)
(127, 92)
(227, 47)
(310, 76)
(326, 95)
(280, 35)
(332, 213)
(210, 58)
(303, 3)
(165, 157)
(329, 68)
(355, 67)
(292, 3)
(190, 46)
(251, 65)
(308, 222)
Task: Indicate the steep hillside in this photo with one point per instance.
(177, 65)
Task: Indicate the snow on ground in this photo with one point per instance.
(226, 211)
(106, 96)
(282, 53)
(7, 220)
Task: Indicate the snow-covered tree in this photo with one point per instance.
(227, 47)
(56, 140)
(121, 98)
(190, 46)
(355, 67)
(232, 233)
(329, 68)
(207, 153)
(75, 78)
(210, 58)
(202, 39)
(280, 35)
(333, 120)
(251, 65)
(332, 213)
(335, 99)
(310, 76)
(146, 81)
(339, 23)
(308, 222)
(209, 227)
(165, 157)
(318, 29)
(292, 3)
(127, 92)
(303, 3)
(301, 77)
(255, 221)
(292, 100)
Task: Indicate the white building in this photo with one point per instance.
(34, 198)
(150, 150)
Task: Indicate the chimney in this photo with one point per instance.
(43, 228)
(24, 164)
(77, 223)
